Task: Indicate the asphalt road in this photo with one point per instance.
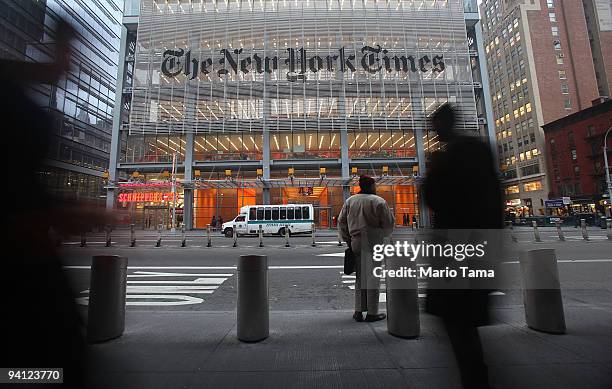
(301, 277)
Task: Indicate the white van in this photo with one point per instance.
(272, 218)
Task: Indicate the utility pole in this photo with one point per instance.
(173, 180)
(608, 181)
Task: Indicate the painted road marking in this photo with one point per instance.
(169, 292)
(162, 274)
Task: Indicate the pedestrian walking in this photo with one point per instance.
(213, 222)
(462, 310)
(360, 212)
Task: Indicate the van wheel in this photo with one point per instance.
(281, 232)
(229, 232)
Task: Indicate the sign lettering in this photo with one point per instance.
(297, 63)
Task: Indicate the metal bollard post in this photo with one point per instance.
(83, 239)
(183, 237)
(107, 288)
(512, 234)
(609, 232)
(253, 315)
(132, 235)
(536, 232)
(260, 234)
(541, 291)
(314, 243)
(235, 236)
(559, 231)
(339, 238)
(208, 239)
(287, 235)
(585, 233)
(402, 301)
(159, 236)
(108, 236)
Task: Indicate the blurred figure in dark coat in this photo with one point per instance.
(464, 171)
(42, 325)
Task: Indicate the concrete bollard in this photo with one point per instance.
(183, 237)
(253, 315)
(609, 229)
(235, 236)
(159, 236)
(314, 243)
(542, 291)
(83, 239)
(559, 231)
(536, 231)
(402, 301)
(132, 235)
(208, 239)
(287, 236)
(107, 288)
(108, 236)
(260, 234)
(585, 233)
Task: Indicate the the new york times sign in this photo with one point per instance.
(297, 63)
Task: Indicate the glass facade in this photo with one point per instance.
(82, 102)
(299, 85)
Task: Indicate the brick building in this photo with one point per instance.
(574, 153)
(545, 62)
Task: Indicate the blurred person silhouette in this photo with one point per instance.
(466, 171)
(359, 212)
(42, 324)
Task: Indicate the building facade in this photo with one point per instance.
(81, 103)
(540, 69)
(598, 15)
(576, 167)
(237, 103)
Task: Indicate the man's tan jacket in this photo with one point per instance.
(364, 211)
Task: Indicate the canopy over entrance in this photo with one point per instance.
(230, 183)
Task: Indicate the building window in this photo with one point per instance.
(555, 30)
(574, 155)
(564, 88)
(567, 104)
(550, 4)
(560, 58)
(577, 170)
(532, 186)
(562, 75)
(557, 45)
(552, 17)
(514, 189)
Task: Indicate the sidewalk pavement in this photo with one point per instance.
(327, 349)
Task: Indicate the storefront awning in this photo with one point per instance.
(298, 182)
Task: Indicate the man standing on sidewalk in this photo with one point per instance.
(362, 212)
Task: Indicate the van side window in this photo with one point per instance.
(275, 213)
(253, 213)
(240, 218)
(283, 213)
(260, 213)
(290, 213)
(298, 213)
(268, 214)
(306, 212)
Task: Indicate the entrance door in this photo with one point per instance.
(323, 216)
(156, 215)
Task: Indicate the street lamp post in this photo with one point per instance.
(605, 153)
